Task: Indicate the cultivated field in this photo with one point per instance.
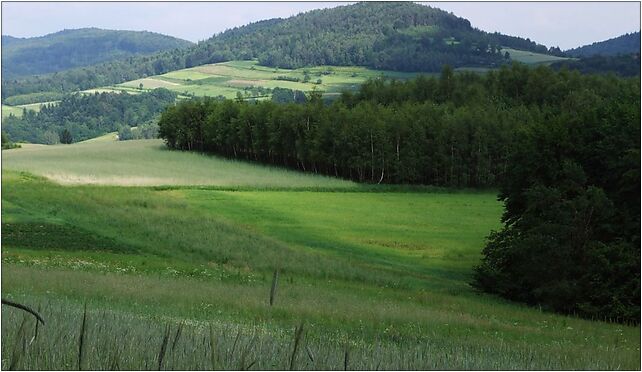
(180, 277)
(228, 78)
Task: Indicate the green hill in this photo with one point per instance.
(625, 44)
(390, 36)
(77, 48)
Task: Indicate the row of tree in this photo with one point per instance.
(564, 149)
(455, 130)
(621, 64)
(367, 142)
(82, 116)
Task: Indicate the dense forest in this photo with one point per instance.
(571, 235)
(79, 117)
(76, 48)
(455, 130)
(392, 36)
(564, 149)
(621, 64)
(625, 44)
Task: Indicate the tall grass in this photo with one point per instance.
(120, 341)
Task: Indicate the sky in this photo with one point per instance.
(563, 24)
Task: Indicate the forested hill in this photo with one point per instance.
(76, 48)
(392, 36)
(625, 44)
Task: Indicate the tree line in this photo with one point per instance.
(454, 130)
(82, 116)
(563, 148)
(621, 64)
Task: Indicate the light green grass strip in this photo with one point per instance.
(150, 163)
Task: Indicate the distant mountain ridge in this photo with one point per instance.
(624, 44)
(396, 36)
(69, 49)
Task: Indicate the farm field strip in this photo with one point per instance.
(228, 78)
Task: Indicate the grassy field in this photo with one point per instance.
(531, 58)
(148, 162)
(11, 110)
(379, 278)
(228, 78)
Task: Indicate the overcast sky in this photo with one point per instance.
(563, 24)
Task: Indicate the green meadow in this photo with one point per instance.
(177, 272)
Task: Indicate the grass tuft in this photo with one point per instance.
(298, 335)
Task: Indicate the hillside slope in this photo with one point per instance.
(625, 44)
(391, 36)
(77, 48)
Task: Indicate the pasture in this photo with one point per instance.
(379, 276)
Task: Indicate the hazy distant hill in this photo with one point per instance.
(625, 44)
(76, 48)
(382, 35)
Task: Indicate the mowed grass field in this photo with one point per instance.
(379, 278)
